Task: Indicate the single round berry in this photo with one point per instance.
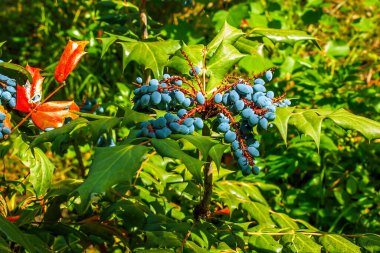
(198, 123)
(218, 98)
(154, 82)
(181, 112)
(197, 71)
(269, 75)
(200, 98)
(139, 80)
(230, 136)
(223, 127)
(156, 97)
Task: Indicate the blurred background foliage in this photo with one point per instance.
(336, 189)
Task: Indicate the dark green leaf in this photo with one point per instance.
(203, 143)
(18, 68)
(216, 153)
(370, 242)
(30, 242)
(110, 166)
(228, 34)
(131, 117)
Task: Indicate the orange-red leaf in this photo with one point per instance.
(70, 57)
(22, 99)
(13, 218)
(35, 92)
(53, 114)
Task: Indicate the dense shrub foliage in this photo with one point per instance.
(153, 145)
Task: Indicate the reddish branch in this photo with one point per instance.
(201, 88)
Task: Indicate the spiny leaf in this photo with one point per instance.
(281, 120)
(122, 161)
(225, 57)
(193, 52)
(216, 154)
(153, 55)
(203, 143)
(170, 148)
(338, 244)
(228, 34)
(282, 35)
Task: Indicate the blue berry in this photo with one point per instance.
(181, 112)
(259, 81)
(179, 96)
(163, 133)
(263, 122)
(223, 127)
(178, 82)
(156, 97)
(246, 113)
(239, 105)
(159, 123)
(6, 95)
(259, 88)
(253, 151)
(174, 126)
(230, 136)
(234, 96)
(269, 75)
(186, 102)
(166, 98)
(145, 100)
(12, 102)
(238, 153)
(183, 129)
(6, 130)
(198, 123)
(235, 145)
(255, 170)
(218, 98)
(139, 80)
(2, 116)
(270, 94)
(200, 98)
(166, 76)
(188, 122)
(154, 82)
(197, 71)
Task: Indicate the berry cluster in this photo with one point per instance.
(90, 106)
(7, 91)
(5, 128)
(239, 104)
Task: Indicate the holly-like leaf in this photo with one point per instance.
(227, 35)
(222, 61)
(152, 55)
(195, 55)
(216, 154)
(203, 143)
(281, 120)
(41, 169)
(336, 243)
(282, 35)
(110, 166)
(170, 148)
(370, 242)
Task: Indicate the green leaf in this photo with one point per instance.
(284, 221)
(106, 43)
(308, 123)
(110, 166)
(153, 55)
(300, 243)
(161, 239)
(131, 117)
(369, 128)
(195, 55)
(337, 48)
(281, 121)
(18, 68)
(228, 34)
(4, 247)
(283, 35)
(30, 242)
(203, 143)
(216, 153)
(225, 57)
(370, 242)
(264, 243)
(170, 148)
(41, 169)
(338, 244)
(258, 212)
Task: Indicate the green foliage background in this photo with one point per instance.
(331, 188)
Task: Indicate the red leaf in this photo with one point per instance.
(22, 99)
(35, 92)
(225, 211)
(69, 59)
(13, 218)
(53, 114)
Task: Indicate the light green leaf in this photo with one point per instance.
(216, 154)
(284, 221)
(369, 128)
(110, 166)
(281, 121)
(228, 34)
(203, 143)
(41, 169)
(131, 117)
(282, 35)
(106, 43)
(264, 243)
(370, 242)
(258, 212)
(170, 148)
(338, 244)
(309, 123)
(30, 242)
(153, 55)
(300, 243)
(225, 57)
(195, 55)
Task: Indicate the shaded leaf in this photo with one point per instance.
(370, 242)
(110, 166)
(170, 148)
(30, 242)
(17, 68)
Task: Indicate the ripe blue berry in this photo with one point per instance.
(253, 151)
(6, 130)
(178, 82)
(198, 123)
(263, 122)
(156, 97)
(239, 105)
(145, 100)
(223, 127)
(230, 136)
(188, 122)
(179, 96)
(6, 95)
(255, 170)
(234, 96)
(186, 102)
(259, 81)
(269, 75)
(181, 112)
(139, 80)
(200, 98)
(270, 94)
(153, 82)
(218, 98)
(197, 71)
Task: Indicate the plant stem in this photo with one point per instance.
(143, 20)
